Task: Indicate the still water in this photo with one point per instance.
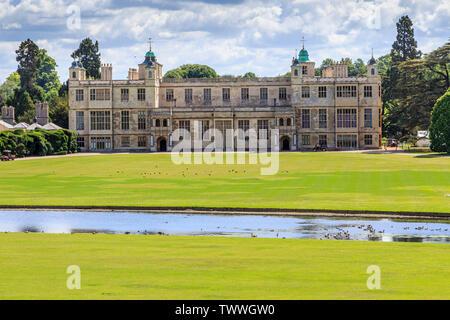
(262, 226)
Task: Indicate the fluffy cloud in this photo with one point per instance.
(231, 36)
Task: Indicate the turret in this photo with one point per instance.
(302, 66)
(76, 71)
(372, 68)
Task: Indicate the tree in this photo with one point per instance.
(440, 124)
(47, 78)
(405, 47)
(89, 56)
(189, 71)
(7, 88)
(249, 75)
(28, 69)
(22, 102)
(59, 111)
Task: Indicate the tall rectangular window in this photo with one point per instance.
(282, 94)
(323, 140)
(367, 118)
(100, 143)
(207, 95)
(367, 91)
(368, 139)
(322, 118)
(244, 94)
(184, 124)
(226, 94)
(125, 120)
(100, 120)
(306, 118)
(322, 92)
(80, 142)
(346, 118)
(100, 94)
(79, 95)
(169, 95)
(304, 69)
(141, 94)
(80, 120)
(346, 91)
(305, 92)
(125, 142)
(92, 94)
(263, 128)
(142, 124)
(243, 125)
(142, 141)
(379, 118)
(205, 128)
(124, 95)
(306, 139)
(263, 96)
(188, 95)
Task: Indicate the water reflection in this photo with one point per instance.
(342, 228)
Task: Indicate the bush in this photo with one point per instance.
(38, 142)
(440, 124)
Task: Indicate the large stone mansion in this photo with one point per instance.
(141, 113)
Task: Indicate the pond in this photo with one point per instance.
(263, 226)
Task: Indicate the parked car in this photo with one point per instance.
(319, 147)
(7, 155)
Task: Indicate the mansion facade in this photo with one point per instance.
(142, 112)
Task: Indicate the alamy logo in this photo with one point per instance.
(74, 280)
(374, 281)
(213, 147)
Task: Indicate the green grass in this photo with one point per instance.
(33, 266)
(305, 180)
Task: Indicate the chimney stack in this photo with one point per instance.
(133, 74)
(42, 113)
(8, 115)
(106, 72)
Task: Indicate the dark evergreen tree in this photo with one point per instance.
(89, 55)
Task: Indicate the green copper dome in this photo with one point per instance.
(303, 56)
(149, 54)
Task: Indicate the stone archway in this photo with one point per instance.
(162, 144)
(285, 144)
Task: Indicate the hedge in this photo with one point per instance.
(38, 142)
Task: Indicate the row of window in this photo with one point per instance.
(343, 141)
(105, 94)
(104, 143)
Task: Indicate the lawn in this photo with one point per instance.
(33, 266)
(351, 181)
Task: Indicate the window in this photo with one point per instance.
(323, 140)
(188, 95)
(282, 94)
(372, 71)
(158, 123)
(150, 74)
(305, 118)
(226, 94)
(263, 96)
(379, 118)
(164, 123)
(288, 121)
(295, 72)
(207, 95)
(79, 95)
(184, 124)
(125, 95)
(346, 91)
(322, 118)
(100, 94)
(281, 122)
(346, 118)
(306, 139)
(169, 95)
(142, 141)
(304, 69)
(367, 118)
(305, 92)
(379, 90)
(80, 142)
(367, 91)
(346, 141)
(125, 120)
(125, 142)
(243, 125)
(74, 75)
(100, 143)
(322, 92)
(141, 94)
(141, 120)
(368, 139)
(244, 94)
(263, 127)
(100, 120)
(205, 128)
(80, 120)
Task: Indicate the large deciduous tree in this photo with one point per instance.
(440, 124)
(188, 71)
(47, 78)
(88, 53)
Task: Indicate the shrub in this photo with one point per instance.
(440, 124)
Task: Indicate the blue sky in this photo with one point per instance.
(232, 36)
